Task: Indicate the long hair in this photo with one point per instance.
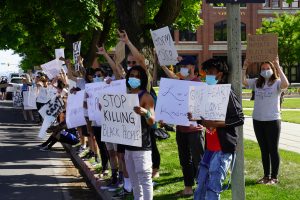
(260, 82)
(143, 77)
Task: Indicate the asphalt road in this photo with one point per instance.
(26, 173)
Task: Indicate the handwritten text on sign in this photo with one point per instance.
(261, 48)
(76, 53)
(75, 111)
(172, 101)
(164, 46)
(120, 124)
(209, 101)
(52, 107)
(95, 89)
(52, 68)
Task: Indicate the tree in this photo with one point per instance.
(287, 27)
(34, 28)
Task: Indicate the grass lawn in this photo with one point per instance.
(171, 180)
(287, 115)
(291, 103)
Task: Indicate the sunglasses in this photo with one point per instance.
(131, 62)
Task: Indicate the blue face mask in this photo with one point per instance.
(97, 79)
(134, 82)
(211, 80)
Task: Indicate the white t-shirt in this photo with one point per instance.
(267, 101)
(42, 96)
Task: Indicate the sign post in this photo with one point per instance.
(234, 59)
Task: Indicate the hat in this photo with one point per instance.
(187, 60)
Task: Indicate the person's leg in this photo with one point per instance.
(273, 134)
(196, 141)
(200, 191)
(186, 162)
(260, 133)
(124, 176)
(102, 148)
(155, 156)
(143, 169)
(24, 114)
(130, 165)
(113, 162)
(31, 115)
(218, 168)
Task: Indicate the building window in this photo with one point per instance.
(275, 4)
(285, 4)
(293, 74)
(296, 4)
(187, 35)
(222, 5)
(220, 31)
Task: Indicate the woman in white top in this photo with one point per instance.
(266, 114)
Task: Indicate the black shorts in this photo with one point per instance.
(85, 131)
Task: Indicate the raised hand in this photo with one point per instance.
(101, 50)
(123, 36)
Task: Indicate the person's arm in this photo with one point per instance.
(244, 72)
(284, 81)
(135, 52)
(71, 74)
(112, 64)
(169, 73)
(146, 109)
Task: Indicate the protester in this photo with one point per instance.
(25, 87)
(138, 159)
(189, 139)
(3, 87)
(266, 114)
(42, 92)
(220, 138)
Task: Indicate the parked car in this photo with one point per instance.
(12, 75)
(14, 85)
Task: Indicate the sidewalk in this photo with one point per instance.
(289, 138)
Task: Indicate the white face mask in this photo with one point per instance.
(266, 73)
(184, 71)
(128, 68)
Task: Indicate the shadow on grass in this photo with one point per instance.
(250, 182)
(161, 183)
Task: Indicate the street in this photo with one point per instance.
(28, 173)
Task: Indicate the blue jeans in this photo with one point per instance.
(212, 172)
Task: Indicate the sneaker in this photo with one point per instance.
(272, 181)
(88, 156)
(39, 146)
(121, 194)
(111, 187)
(80, 150)
(46, 148)
(263, 180)
(103, 173)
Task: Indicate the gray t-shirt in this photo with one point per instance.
(267, 101)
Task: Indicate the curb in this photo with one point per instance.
(89, 173)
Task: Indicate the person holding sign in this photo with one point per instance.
(189, 139)
(266, 114)
(220, 136)
(138, 159)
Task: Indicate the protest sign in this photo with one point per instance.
(17, 99)
(52, 68)
(172, 101)
(48, 120)
(120, 123)
(76, 53)
(164, 46)
(261, 48)
(52, 107)
(120, 52)
(75, 111)
(29, 99)
(59, 53)
(42, 96)
(209, 101)
(95, 89)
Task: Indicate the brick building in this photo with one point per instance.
(210, 38)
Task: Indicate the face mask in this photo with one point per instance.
(266, 73)
(128, 68)
(184, 72)
(134, 82)
(97, 79)
(211, 80)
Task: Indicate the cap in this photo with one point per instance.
(187, 60)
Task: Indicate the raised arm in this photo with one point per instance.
(244, 71)
(135, 52)
(169, 73)
(284, 81)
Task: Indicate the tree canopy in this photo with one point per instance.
(287, 27)
(34, 28)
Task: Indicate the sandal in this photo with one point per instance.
(263, 180)
(272, 181)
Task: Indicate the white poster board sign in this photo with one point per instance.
(59, 53)
(209, 101)
(120, 123)
(52, 107)
(76, 53)
(75, 111)
(29, 100)
(172, 101)
(95, 89)
(48, 120)
(17, 99)
(164, 46)
(52, 68)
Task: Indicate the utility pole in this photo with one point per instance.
(234, 59)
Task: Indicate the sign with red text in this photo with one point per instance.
(120, 124)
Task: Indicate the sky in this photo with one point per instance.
(8, 57)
